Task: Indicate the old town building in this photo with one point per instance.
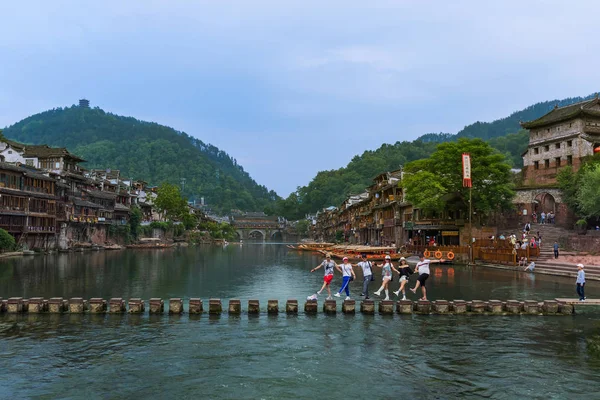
(563, 137)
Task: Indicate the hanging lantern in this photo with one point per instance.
(597, 150)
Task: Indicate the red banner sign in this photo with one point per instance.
(466, 165)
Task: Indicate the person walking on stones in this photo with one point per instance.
(543, 215)
(534, 217)
(405, 272)
(347, 275)
(328, 266)
(367, 275)
(555, 250)
(423, 269)
(580, 282)
(527, 228)
(386, 277)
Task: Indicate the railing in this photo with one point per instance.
(41, 229)
(13, 228)
(432, 249)
(498, 256)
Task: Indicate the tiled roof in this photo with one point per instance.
(15, 145)
(44, 151)
(564, 113)
(121, 207)
(84, 203)
(101, 195)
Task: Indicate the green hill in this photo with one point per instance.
(148, 151)
(333, 187)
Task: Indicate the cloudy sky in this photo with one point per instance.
(290, 88)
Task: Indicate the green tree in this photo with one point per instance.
(568, 182)
(302, 227)
(436, 182)
(588, 195)
(134, 221)
(169, 202)
(7, 241)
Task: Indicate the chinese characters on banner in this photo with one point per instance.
(466, 164)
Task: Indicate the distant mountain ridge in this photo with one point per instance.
(148, 151)
(503, 126)
(333, 187)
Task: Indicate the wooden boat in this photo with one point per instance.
(355, 252)
(151, 246)
(311, 246)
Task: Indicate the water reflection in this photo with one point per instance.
(191, 356)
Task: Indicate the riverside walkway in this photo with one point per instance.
(77, 305)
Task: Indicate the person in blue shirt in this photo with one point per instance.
(555, 250)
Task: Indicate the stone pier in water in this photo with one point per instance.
(117, 305)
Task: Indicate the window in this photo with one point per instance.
(546, 163)
(557, 160)
(10, 152)
(546, 148)
(569, 143)
(536, 165)
(57, 165)
(569, 160)
(536, 150)
(29, 162)
(557, 146)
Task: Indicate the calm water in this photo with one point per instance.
(284, 357)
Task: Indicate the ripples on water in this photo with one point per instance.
(284, 357)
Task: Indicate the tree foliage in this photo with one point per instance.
(169, 202)
(7, 241)
(302, 227)
(219, 230)
(135, 218)
(589, 192)
(147, 151)
(581, 190)
(436, 183)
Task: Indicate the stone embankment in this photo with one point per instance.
(78, 305)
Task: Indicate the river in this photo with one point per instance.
(283, 357)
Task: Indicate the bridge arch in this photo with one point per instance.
(257, 234)
(277, 236)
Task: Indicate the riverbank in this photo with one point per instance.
(560, 267)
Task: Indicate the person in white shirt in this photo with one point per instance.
(580, 282)
(328, 266)
(423, 269)
(367, 275)
(347, 275)
(386, 276)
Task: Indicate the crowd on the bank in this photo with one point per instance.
(543, 218)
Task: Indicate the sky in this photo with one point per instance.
(290, 88)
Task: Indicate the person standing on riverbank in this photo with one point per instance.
(367, 275)
(328, 266)
(555, 250)
(423, 269)
(386, 277)
(347, 275)
(580, 282)
(405, 272)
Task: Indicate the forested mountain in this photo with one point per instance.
(333, 187)
(148, 151)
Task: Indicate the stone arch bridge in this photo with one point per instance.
(259, 227)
